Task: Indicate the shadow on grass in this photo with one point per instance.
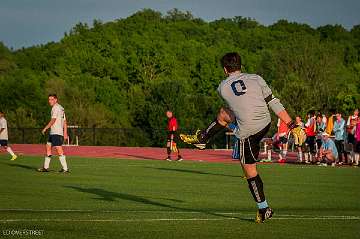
(113, 196)
(195, 172)
(21, 166)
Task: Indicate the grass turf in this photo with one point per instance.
(114, 198)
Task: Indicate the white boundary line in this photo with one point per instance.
(175, 219)
(242, 216)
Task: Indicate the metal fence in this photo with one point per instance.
(105, 137)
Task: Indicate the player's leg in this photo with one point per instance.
(249, 150)
(312, 149)
(202, 137)
(339, 149)
(179, 157)
(47, 159)
(299, 153)
(285, 146)
(9, 150)
(330, 157)
(62, 159)
(4, 143)
(168, 148)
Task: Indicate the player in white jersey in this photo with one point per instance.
(58, 132)
(4, 136)
(248, 97)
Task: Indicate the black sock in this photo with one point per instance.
(168, 151)
(256, 188)
(211, 131)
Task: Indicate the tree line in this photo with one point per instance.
(126, 73)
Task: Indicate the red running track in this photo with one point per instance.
(208, 155)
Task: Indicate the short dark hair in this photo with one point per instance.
(2, 112)
(53, 95)
(311, 112)
(231, 61)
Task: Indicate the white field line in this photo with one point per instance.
(174, 219)
(242, 216)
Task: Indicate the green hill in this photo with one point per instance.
(126, 73)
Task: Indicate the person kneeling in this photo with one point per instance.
(328, 151)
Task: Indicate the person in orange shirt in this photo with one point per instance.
(282, 138)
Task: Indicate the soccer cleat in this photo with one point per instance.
(263, 214)
(13, 157)
(193, 139)
(179, 159)
(168, 159)
(43, 170)
(64, 171)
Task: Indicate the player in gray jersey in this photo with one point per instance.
(58, 132)
(248, 98)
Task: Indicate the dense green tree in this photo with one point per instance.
(125, 74)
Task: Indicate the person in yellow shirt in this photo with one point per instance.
(330, 123)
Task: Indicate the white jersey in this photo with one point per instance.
(246, 96)
(58, 113)
(3, 125)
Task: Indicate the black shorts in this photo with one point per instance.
(357, 147)
(249, 148)
(351, 139)
(319, 143)
(340, 146)
(55, 140)
(311, 141)
(283, 139)
(175, 138)
(3, 142)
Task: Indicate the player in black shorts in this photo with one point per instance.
(248, 97)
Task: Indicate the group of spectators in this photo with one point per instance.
(322, 139)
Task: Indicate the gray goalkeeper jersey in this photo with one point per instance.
(248, 97)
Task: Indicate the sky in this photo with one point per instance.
(25, 23)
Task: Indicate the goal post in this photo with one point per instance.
(73, 136)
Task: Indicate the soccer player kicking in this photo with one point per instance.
(58, 132)
(4, 135)
(248, 97)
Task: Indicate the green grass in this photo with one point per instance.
(113, 198)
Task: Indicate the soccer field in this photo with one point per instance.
(113, 198)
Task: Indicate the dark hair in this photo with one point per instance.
(53, 95)
(2, 112)
(311, 112)
(231, 61)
